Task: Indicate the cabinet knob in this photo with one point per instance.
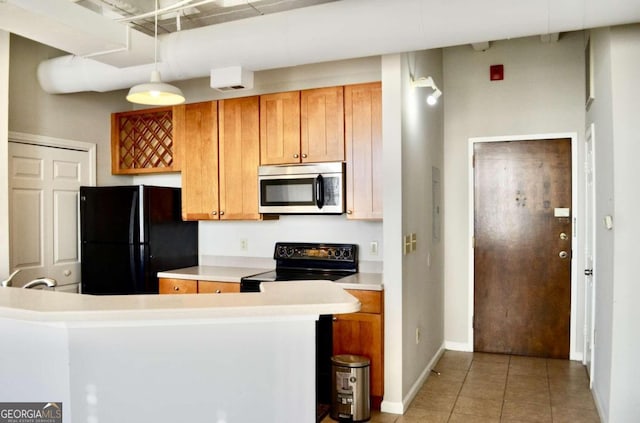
(214, 213)
(335, 319)
(218, 291)
(349, 212)
(304, 156)
(295, 156)
(176, 288)
(221, 213)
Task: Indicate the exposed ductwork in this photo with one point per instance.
(334, 31)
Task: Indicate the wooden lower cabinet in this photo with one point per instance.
(177, 286)
(184, 286)
(363, 334)
(208, 287)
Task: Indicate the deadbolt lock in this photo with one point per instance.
(563, 236)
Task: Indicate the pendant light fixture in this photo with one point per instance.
(155, 92)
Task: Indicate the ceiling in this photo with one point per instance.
(111, 42)
(177, 15)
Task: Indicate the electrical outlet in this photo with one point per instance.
(417, 336)
(244, 244)
(373, 248)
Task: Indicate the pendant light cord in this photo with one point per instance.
(155, 38)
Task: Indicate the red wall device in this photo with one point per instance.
(496, 72)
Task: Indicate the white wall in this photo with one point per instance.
(422, 278)
(542, 92)
(614, 112)
(601, 112)
(412, 144)
(4, 151)
(392, 230)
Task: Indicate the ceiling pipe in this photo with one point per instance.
(301, 36)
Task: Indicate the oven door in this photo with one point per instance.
(301, 193)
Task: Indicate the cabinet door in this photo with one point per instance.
(196, 128)
(280, 128)
(177, 286)
(322, 125)
(363, 139)
(210, 287)
(143, 141)
(361, 334)
(239, 158)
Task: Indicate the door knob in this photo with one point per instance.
(563, 254)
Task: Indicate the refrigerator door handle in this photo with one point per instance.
(132, 218)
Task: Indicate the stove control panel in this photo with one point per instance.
(326, 252)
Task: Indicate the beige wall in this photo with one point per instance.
(542, 92)
(81, 117)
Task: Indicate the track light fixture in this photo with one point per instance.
(427, 82)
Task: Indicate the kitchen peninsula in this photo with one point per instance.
(206, 357)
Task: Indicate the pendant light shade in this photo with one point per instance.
(155, 93)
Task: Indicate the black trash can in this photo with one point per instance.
(350, 400)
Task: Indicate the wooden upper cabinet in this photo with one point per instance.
(280, 128)
(196, 128)
(143, 141)
(322, 125)
(363, 140)
(239, 147)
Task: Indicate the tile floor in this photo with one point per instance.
(487, 388)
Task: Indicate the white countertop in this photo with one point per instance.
(276, 300)
(212, 273)
(361, 281)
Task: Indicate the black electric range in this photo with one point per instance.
(296, 261)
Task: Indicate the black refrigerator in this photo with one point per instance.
(130, 233)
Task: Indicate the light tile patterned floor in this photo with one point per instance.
(492, 388)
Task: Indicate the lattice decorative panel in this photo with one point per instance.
(144, 141)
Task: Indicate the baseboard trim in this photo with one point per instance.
(401, 407)
(458, 346)
(576, 356)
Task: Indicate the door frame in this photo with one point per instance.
(577, 254)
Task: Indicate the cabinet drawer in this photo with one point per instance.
(371, 300)
(177, 286)
(209, 287)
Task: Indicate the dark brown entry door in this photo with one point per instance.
(522, 255)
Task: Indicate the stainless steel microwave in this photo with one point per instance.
(309, 188)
